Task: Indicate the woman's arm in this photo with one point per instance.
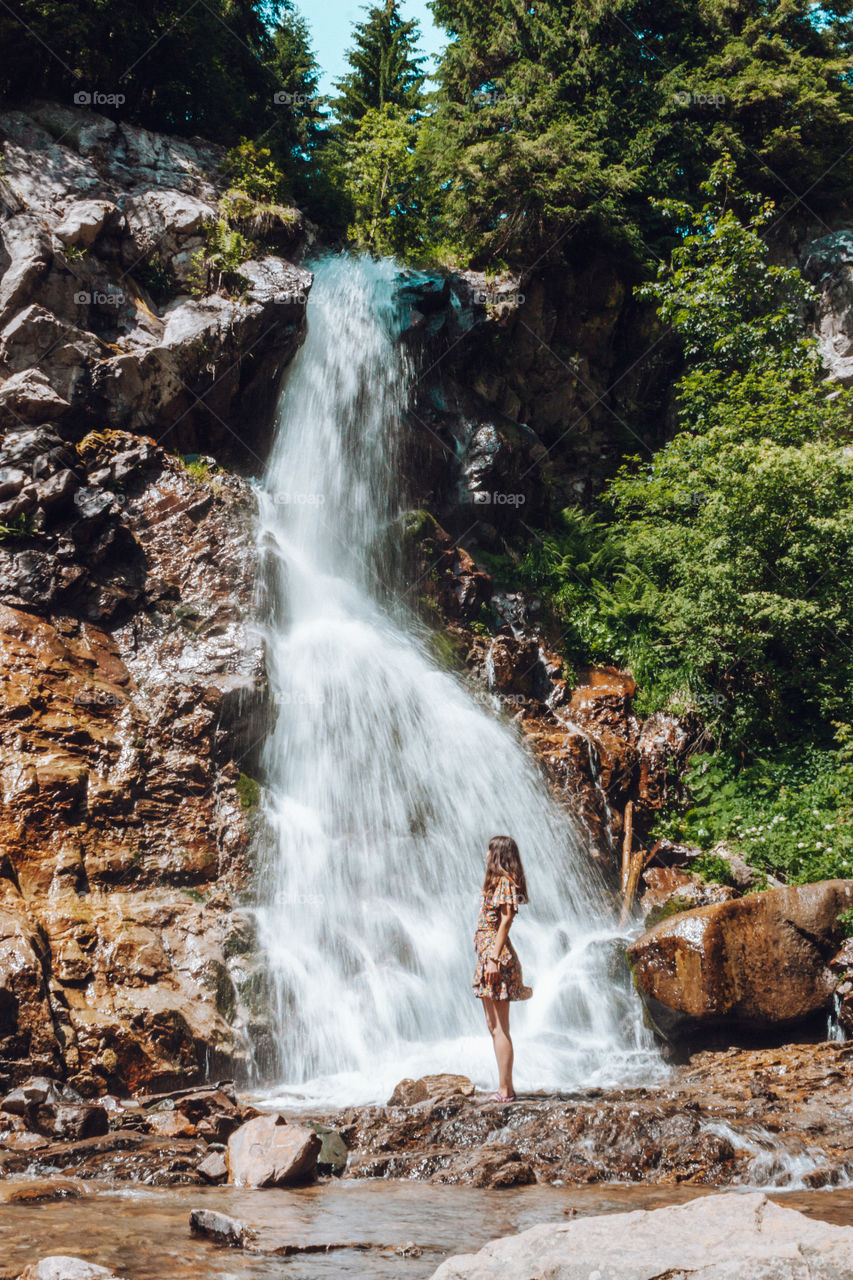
(492, 967)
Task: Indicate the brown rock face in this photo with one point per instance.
(267, 1152)
(127, 685)
(755, 963)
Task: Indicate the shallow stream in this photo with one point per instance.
(143, 1233)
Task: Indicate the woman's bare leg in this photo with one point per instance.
(497, 1020)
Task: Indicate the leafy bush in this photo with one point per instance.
(251, 168)
(224, 250)
(790, 814)
(712, 869)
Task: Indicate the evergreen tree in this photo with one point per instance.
(386, 69)
(562, 118)
(299, 128)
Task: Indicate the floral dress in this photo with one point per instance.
(510, 985)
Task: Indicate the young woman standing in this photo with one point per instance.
(497, 977)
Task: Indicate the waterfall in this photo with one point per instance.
(386, 777)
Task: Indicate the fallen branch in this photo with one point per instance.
(626, 843)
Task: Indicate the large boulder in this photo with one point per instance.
(269, 1152)
(725, 1237)
(753, 964)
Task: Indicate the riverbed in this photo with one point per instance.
(143, 1233)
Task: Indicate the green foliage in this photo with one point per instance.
(789, 814)
(845, 921)
(202, 69)
(719, 289)
(672, 907)
(248, 791)
(251, 168)
(214, 266)
(558, 121)
(198, 467)
(20, 527)
(712, 868)
(385, 68)
(378, 177)
(743, 522)
(155, 278)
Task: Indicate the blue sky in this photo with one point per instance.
(331, 23)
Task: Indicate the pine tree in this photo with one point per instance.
(386, 69)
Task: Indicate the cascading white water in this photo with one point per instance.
(386, 777)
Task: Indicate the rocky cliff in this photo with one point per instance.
(130, 666)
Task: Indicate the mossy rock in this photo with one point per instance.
(248, 791)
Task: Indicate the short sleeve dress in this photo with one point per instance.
(510, 985)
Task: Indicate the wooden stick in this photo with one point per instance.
(636, 870)
(626, 843)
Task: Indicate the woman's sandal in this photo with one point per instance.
(499, 1097)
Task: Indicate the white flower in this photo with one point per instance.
(818, 844)
(801, 844)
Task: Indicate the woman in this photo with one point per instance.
(497, 978)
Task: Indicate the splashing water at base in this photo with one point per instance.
(387, 777)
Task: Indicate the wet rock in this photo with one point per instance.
(754, 963)
(333, 1154)
(32, 1094)
(64, 1267)
(41, 1190)
(670, 890)
(268, 1152)
(437, 1087)
(724, 1237)
(68, 1122)
(24, 1141)
(213, 1167)
(171, 1124)
(493, 1166)
(218, 1227)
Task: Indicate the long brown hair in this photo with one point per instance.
(505, 860)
